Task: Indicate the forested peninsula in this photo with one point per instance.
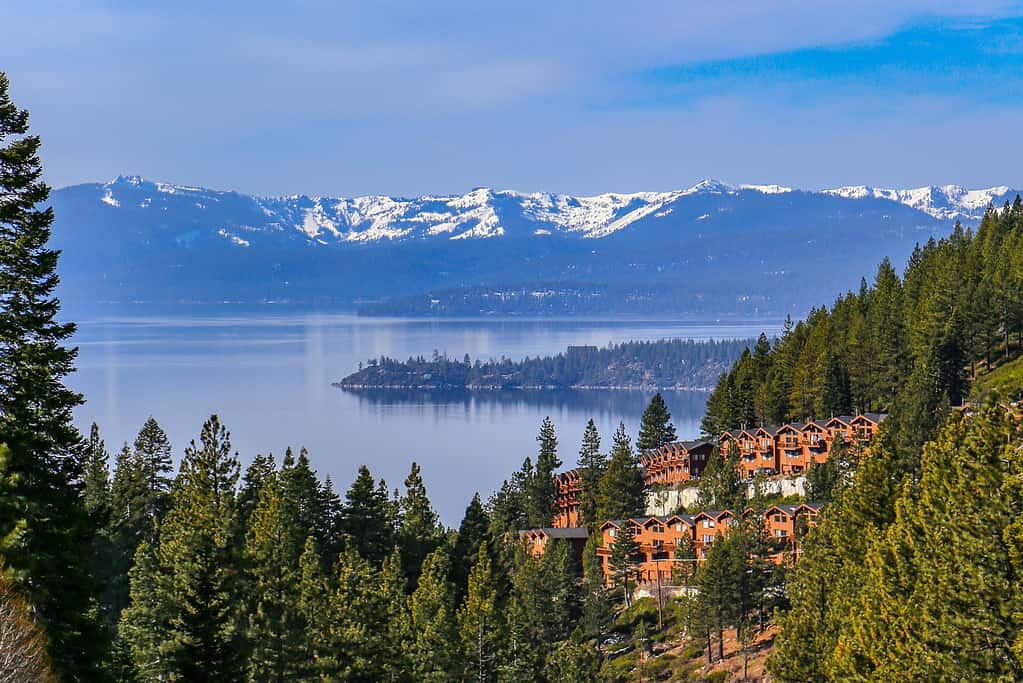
(648, 365)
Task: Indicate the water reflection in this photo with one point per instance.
(268, 377)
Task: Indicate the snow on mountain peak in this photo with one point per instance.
(485, 213)
(944, 202)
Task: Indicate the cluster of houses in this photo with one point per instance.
(773, 451)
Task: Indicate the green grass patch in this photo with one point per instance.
(1006, 379)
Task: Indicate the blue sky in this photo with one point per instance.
(389, 97)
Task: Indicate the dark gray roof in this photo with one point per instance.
(691, 445)
(570, 532)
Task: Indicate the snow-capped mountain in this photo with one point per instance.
(710, 248)
(944, 202)
(482, 213)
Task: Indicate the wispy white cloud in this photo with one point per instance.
(230, 93)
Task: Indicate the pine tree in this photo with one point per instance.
(655, 429)
(313, 606)
(542, 609)
(918, 623)
(720, 486)
(365, 520)
(479, 621)
(575, 659)
(99, 505)
(823, 478)
(275, 627)
(420, 531)
(834, 396)
(154, 450)
(621, 488)
(472, 534)
(145, 625)
(596, 606)
(431, 643)
(195, 567)
(302, 497)
(394, 623)
(625, 553)
(355, 628)
(51, 560)
(718, 582)
(260, 470)
(592, 465)
(97, 476)
(541, 486)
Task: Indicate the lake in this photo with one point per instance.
(267, 373)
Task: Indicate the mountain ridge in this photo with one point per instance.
(710, 249)
(485, 213)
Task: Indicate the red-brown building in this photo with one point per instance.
(675, 463)
(793, 447)
(662, 540)
(568, 486)
(536, 540)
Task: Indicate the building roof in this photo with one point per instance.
(554, 533)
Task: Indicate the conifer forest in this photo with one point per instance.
(160, 561)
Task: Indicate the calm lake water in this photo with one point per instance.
(268, 376)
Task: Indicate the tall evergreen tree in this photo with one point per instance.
(356, 626)
(51, 559)
(432, 640)
(275, 628)
(303, 499)
(97, 476)
(479, 621)
(621, 488)
(154, 450)
(592, 465)
(365, 519)
(472, 534)
(655, 429)
(541, 486)
(394, 623)
(596, 607)
(625, 553)
(195, 567)
(420, 531)
(720, 486)
(313, 606)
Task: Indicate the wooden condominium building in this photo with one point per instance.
(671, 464)
(666, 543)
(536, 540)
(675, 462)
(791, 448)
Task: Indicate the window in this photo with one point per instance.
(709, 524)
(780, 533)
(612, 532)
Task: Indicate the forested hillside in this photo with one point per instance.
(664, 364)
(910, 575)
(908, 346)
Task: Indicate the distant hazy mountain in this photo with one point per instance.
(709, 249)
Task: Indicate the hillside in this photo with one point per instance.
(711, 249)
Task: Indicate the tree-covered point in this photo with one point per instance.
(663, 364)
